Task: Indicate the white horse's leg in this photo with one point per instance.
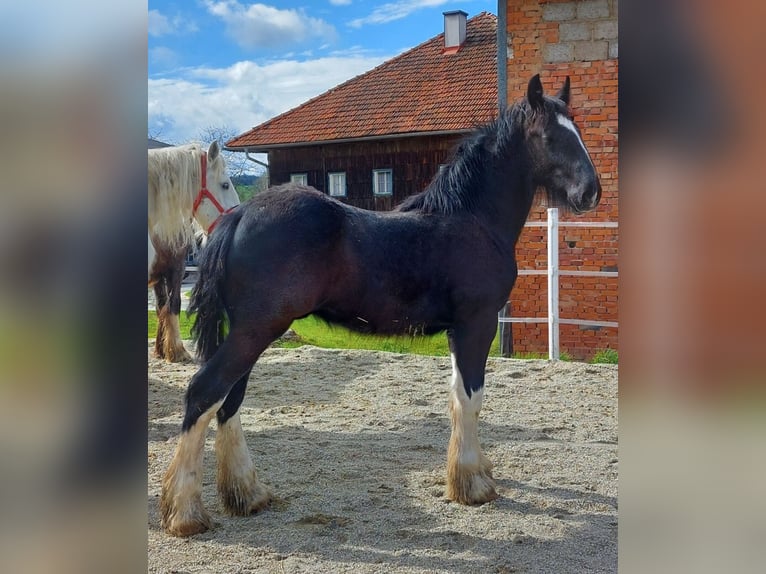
(469, 472)
(238, 486)
(173, 346)
(152, 253)
(181, 509)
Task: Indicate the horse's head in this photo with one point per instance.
(221, 196)
(560, 162)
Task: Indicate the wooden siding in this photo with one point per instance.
(413, 162)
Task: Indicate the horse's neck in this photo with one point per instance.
(197, 174)
(508, 193)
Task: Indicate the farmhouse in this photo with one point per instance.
(156, 144)
(380, 137)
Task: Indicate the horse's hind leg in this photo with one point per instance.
(181, 509)
(469, 472)
(173, 348)
(239, 489)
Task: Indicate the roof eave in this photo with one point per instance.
(263, 148)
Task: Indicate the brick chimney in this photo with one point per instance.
(454, 29)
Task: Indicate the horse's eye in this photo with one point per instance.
(225, 185)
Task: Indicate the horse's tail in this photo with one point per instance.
(206, 300)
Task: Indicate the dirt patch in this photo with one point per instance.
(353, 444)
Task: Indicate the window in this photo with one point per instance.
(382, 182)
(300, 178)
(336, 184)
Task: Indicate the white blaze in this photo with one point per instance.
(567, 123)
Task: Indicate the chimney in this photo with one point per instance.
(454, 29)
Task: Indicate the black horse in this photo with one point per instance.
(443, 260)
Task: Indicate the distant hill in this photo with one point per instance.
(248, 185)
(245, 179)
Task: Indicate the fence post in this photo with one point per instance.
(553, 283)
(506, 332)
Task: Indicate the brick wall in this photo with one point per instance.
(576, 39)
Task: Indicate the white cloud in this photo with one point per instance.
(163, 57)
(159, 25)
(340, 2)
(245, 94)
(262, 26)
(394, 11)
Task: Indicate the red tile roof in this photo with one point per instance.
(425, 89)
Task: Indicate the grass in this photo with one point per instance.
(313, 331)
(605, 356)
(316, 332)
(183, 320)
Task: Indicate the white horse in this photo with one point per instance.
(186, 183)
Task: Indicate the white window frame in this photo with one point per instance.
(299, 178)
(390, 181)
(338, 177)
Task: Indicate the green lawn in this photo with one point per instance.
(313, 331)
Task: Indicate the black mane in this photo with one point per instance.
(458, 186)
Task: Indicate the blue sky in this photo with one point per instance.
(234, 64)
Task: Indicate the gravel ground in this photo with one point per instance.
(353, 444)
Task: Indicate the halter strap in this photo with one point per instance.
(204, 193)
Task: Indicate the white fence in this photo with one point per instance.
(554, 273)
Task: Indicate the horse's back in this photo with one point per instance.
(288, 219)
(299, 251)
(285, 251)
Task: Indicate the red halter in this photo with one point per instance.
(204, 193)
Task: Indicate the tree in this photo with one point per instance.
(249, 178)
(237, 162)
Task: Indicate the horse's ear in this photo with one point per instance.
(535, 92)
(563, 94)
(212, 151)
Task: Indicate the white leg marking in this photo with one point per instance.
(169, 344)
(238, 485)
(181, 501)
(174, 346)
(469, 477)
(466, 415)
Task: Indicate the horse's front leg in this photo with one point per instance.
(469, 472)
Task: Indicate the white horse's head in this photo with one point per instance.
(218, 195)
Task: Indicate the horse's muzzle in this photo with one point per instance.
(594, 196)
(589, 195)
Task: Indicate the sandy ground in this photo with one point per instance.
(353, 444)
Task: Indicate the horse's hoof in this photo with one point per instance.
(244, 498)
(178, 356)
(182, 522)
(471, 488)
